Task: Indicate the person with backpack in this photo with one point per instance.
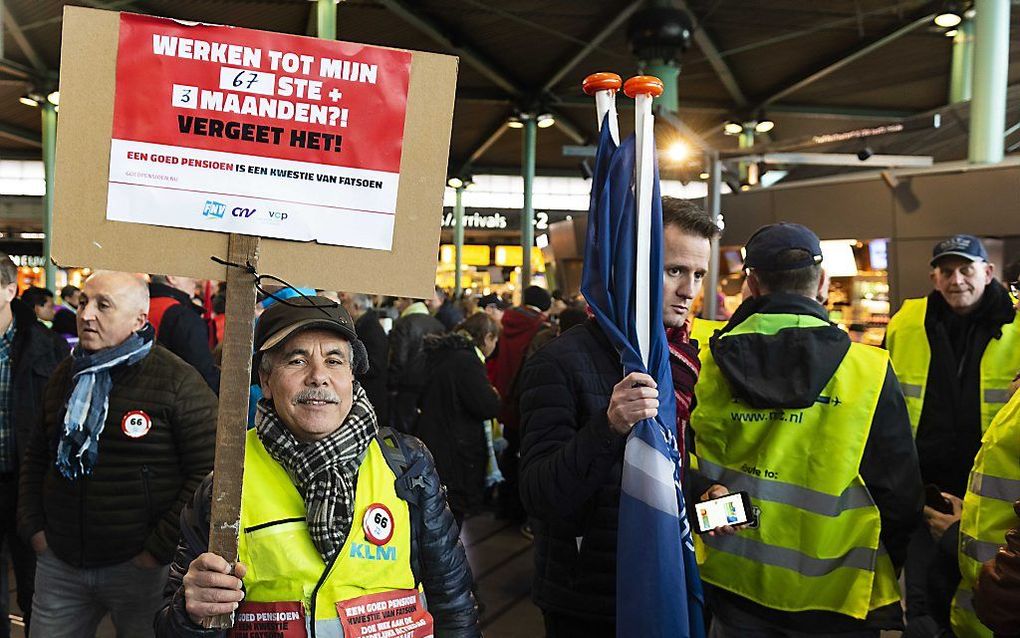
(339, 517)
(179, 325)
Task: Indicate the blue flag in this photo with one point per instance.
(658, 590)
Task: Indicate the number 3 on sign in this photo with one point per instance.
(185, 97)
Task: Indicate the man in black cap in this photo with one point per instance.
(814, 429)
(333, 507)
(956, 352)
(492, 305)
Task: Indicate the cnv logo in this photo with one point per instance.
(213, 209)
(242, 212)
(373, 552)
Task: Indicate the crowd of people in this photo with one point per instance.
(378, 425)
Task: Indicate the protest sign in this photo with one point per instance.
(267, 134)
(84, 235)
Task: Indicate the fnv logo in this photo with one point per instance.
(372, 552)
(213, 209)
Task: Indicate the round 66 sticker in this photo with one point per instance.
(136, 424)
(378, 524)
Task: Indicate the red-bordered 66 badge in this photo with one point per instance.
(136, 424)
(378, 524)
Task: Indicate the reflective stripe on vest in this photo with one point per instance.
(907, 342)
(987, 512)
(283, 563)
(817, 544)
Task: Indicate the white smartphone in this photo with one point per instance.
(732, 509)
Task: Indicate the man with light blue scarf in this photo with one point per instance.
(128, 431)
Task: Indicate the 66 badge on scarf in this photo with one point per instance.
(378, 524)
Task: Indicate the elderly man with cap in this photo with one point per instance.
(815, 430)
(344, 526)
(956, 352)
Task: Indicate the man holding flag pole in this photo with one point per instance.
(605, 406)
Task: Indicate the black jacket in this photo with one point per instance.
(36, 353)
(449, 314)
(949, 429)
(571, 468)
(65, 322)
(407, 354)
(133, 497)
(184, 333)
(373, 380)
(457, 399)
(438, 559)
(790, 369)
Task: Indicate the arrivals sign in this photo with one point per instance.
(242, 131)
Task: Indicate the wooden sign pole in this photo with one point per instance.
(232, 420)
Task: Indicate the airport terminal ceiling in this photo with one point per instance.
(531, 55)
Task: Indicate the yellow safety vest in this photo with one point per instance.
(703, 329)
(987, 512)
(907, 342)
(817, 544)
(283, 563)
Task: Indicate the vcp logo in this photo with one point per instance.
(240, 211)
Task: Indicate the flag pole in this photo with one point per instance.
(603, 86)
(643, 88)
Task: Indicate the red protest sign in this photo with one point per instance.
(237, 130)
(392, 614)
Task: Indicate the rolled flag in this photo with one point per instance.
(658, 591)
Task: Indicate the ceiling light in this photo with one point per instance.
(733, 128)
(703, 176)
(745, 187)
(514, 122)
(678, 151)
(545, 120)
(54, 98)
(28, 100)
(948, 19)
(764, 125)
(455, 182)
(951, 33)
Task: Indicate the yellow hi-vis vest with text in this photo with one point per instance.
(907, 342)
(283, 563)
(987, 512)
(816, 546)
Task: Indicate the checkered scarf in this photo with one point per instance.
(325, 472)
(89, 403)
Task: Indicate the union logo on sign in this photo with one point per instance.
(214, 209)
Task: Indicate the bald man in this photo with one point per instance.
(101, 512)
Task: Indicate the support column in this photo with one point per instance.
(991, 63)
(327, 19)
(528, 213)
(458, 240)
(713, 202)
(746, 140)
(49, 145)
(961, 71)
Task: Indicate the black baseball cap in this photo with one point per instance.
(284, 318)
(491, 299)
(966, 246)
(768, 242)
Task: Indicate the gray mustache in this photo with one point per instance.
(316, 395)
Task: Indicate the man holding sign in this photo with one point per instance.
(334, 539)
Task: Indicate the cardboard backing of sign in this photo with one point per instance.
(82, 236)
